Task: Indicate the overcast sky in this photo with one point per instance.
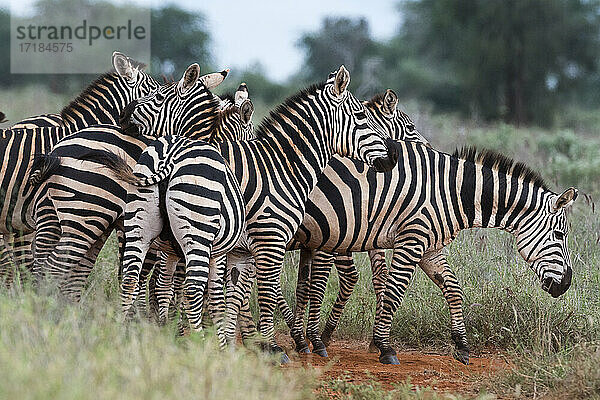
(244, 32)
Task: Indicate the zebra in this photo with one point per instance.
(421, 205)
(183, 192)
(101, 101)
(279, 168)
(68, 239)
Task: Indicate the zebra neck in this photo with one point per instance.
(492, 199)
(100, 103)
(280, 166)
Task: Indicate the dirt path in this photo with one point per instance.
(442, 373)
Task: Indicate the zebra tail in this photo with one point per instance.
(44, 165)
(122, 170)
(115, 163)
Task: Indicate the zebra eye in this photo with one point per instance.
(410, 127)
(159, 97)
(559, 235)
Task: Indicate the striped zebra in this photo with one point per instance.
(102, 101)
(85, 203)
(184, 194)
(279, 168)
(419, 207)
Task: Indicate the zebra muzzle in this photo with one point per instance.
(384, 164)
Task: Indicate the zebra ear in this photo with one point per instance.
(211, 81)
(390, 102)
(246, 111)
(565, 199)
(342, 79)
(241, 93)
(123, 66)
(189, 78)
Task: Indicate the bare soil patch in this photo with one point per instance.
(441, 372)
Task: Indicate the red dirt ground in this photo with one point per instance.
(441, 372)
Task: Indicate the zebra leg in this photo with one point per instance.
(164, 287)
(216, 295)
(408, 252)
(246, 322)
(23, 253)
(241, 273)
(437, 269)
(143, 223)
(73, 286)
(7, 262)
(348, 277)
(379, 271)
(47, 234)
(302, 296)
(319, 275)
(269, 262)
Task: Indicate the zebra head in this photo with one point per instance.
(136, 81)
(354, 133)
(235, 117)
(186, 107)
(383, 109)
(542, 242)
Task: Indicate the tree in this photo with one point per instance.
(511, 58)
(338, 41)
(178, 38)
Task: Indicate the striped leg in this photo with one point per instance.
(348, 277)
(380, 273)
(216, 296)
(7, 262)
(241, 274)
(302, 297)
(195, 232)
(75, 282)
(246, 322)
(269, 262)
(143, 224)
(436, 267)
(165, 287)
(407, 254)
(319, 275)
(22, 251)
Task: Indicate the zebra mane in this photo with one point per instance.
(224, 114)
(501, 163)
(377, 99)
(87, 93)
(228, 96)
(266, 125)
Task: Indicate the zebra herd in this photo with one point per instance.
(204, 204)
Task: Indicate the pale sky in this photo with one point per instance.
(244, 32)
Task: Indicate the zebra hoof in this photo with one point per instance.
(389, 358)
(320, 352)
(462, 355)
(304, 350)
(285, 359)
